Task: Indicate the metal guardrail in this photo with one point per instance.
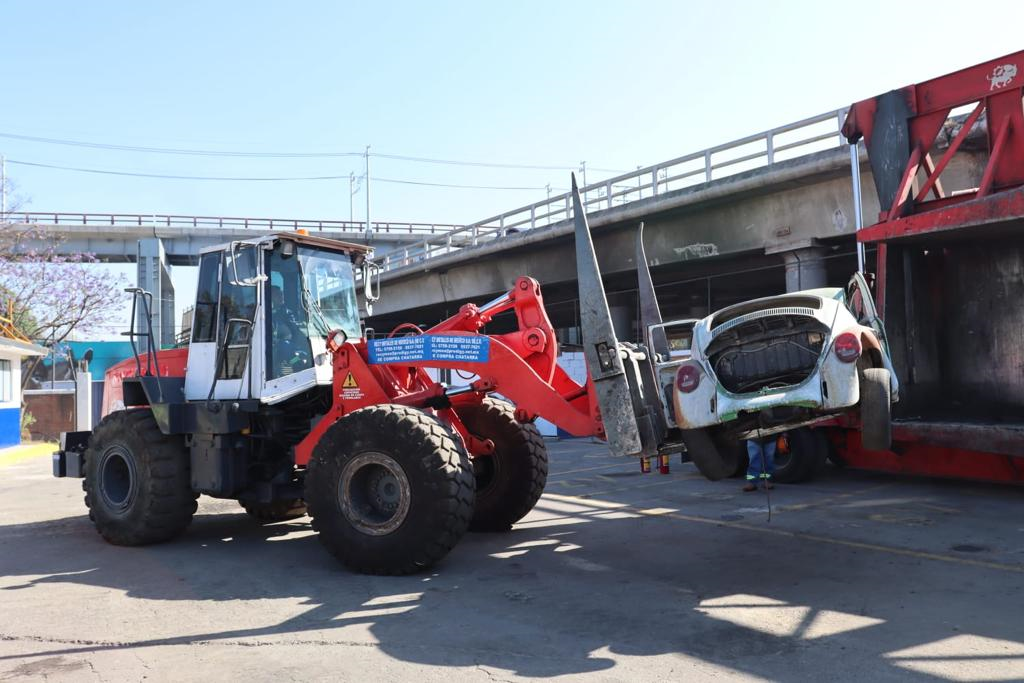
(763, 150)
(267, 224)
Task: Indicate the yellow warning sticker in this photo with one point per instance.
(350, 382)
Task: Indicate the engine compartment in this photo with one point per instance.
(771, 352)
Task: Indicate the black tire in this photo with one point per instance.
(875, 409)
(275, 511)
(715, 455)
(137, 484)
(408, 490)
(808, 449)
(511, 480)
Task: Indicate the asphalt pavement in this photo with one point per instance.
(615, 576)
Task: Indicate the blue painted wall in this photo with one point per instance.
(10, 426)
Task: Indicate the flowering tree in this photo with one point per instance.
(54, 293)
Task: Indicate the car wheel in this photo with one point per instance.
(806, 452)
(715, 455)
(875, 409)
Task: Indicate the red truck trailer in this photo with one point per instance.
(949, 267)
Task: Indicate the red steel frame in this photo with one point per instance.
(996, 89)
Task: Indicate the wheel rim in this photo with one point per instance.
(117, 478)
(374, 493)
(486, 471)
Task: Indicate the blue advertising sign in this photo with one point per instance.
(425, 347)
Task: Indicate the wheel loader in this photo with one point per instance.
(284, 402)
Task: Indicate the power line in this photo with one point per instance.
(174, 150)
(134, 174)
(287, 155)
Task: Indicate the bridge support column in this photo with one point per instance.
(154, 276)
(805, 268)
(623, 309)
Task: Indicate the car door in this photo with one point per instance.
(862, 306)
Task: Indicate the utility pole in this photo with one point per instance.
(548, 187)
(368, 229)
(351, 194)
(583, 173)
(3, 189)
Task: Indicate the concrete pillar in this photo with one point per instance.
(623, 309)
(805, 268)
(154, 276)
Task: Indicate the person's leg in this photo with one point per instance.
(769, 457)
(754, 464)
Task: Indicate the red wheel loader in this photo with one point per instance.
(282, 402)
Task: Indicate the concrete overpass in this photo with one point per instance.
(721, 225)
(115, 237)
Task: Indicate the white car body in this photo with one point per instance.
(737, 350)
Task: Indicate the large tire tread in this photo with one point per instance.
(165, 501)
(525, 463)
(432, 527)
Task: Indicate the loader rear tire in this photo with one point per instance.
(875, 409)
(276, 511)
(137, 484)
(510, 481)
(389, 490)
(715, 455)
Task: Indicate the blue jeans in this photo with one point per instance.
(762, 459)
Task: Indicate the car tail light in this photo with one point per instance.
(847, 347)
(688, 378)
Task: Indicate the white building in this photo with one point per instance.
(11, 353)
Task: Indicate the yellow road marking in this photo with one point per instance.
(26, 452)
(800, 535)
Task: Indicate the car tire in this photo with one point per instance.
(875, 409)
(137, 484)
(275, 511)
(389, 490)
(510, 481)
(808, 450)
(715, 455)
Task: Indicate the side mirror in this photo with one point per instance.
(371, 280)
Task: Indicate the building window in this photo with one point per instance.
(6, 381)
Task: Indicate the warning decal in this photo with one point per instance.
(350, 382)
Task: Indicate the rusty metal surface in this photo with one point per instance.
(600, 345)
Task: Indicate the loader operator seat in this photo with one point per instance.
(291, 351)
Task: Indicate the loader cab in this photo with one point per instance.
(264, 309)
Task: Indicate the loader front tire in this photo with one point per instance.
(510, 481)
(715, 455)
(276, 511)
(137, 484)
(389, 490)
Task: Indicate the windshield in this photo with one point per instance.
(329, 292)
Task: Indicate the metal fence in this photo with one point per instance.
(763, 150)
(260, 224)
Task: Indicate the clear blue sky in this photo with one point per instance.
(550, 83)
(615, 84)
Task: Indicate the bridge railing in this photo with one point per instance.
(763, 150)
(229, 222)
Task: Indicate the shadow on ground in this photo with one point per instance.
(580, 588)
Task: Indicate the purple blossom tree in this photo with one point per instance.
(53, 293)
